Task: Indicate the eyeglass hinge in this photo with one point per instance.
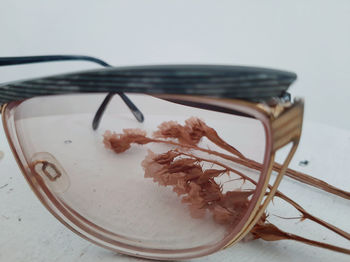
(274, 108)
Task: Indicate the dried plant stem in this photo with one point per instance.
(269, 232)
(302, 177)
(305, 214)
(191, 135)
(255, 165)
(274, 233)
(299, 176)
(217, 140)
(312, 181)
(244, 177)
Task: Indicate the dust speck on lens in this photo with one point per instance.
(68, 142)
(1, 187)
(303, 163)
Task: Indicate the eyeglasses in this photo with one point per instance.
(178, 167)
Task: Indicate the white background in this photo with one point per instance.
(311, 38)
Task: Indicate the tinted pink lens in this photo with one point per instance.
(180, 184)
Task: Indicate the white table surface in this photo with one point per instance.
(28, 232)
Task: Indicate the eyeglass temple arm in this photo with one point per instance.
(8, 61)
(99, 113)
(20, 60)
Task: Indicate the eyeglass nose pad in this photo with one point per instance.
(51, 171)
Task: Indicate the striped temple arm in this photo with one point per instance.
(248, 83)
(8, 61)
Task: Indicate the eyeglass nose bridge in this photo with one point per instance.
(49, 169)
(46, 166)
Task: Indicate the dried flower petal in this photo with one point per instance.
(192, 132)
(221, 215)
(233, 198)
(152, 168)
(184, 173)
(117, 142)
(194, 195)
(197, 186)
(197, 212)
(121, 142)
(172, 129)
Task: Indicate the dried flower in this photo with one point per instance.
(192, 132)
(197, 186)
(121, 142)
(184, 173)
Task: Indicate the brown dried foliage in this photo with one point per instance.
(192, 132)
(198, 187)
(183, 171)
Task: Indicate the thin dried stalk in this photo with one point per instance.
(194, 129)
(270, 232)
(305, 214)
(139, 139)
(121, 142)
(192, 132)
(312, 181)
(189, 136)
